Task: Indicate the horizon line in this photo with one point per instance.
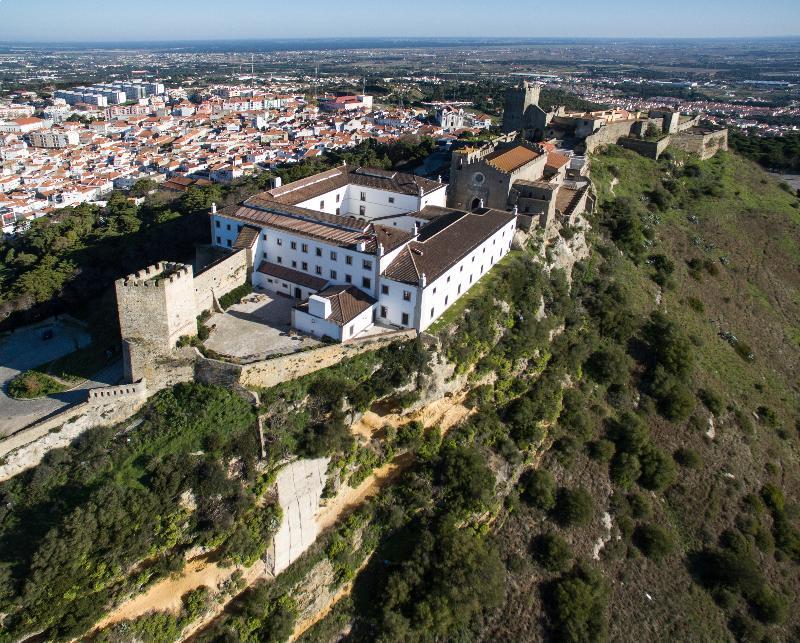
(398, 38)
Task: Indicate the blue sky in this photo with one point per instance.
(125, 20)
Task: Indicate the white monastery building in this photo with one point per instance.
(357, 247)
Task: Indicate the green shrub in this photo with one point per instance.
(552, 552)
(32, 384)
(625, 469)
(236, 295)
(602, 450)
(688, 458)
(577, 606)
(653, 541)
(712, 401)
(658, 469)
(574, 507)
(539, 489)
(675, 401)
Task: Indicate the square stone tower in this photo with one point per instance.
(156, 307)
(518, 101)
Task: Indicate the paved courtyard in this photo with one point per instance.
(257, 328)
(24, 349)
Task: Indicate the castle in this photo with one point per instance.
(358, 251)
(649, 133)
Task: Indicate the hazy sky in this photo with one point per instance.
(121, 20)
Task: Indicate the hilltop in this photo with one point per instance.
(606, 454)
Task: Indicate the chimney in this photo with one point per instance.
(516, 210)
(380, 249)
(319, 306)
(480, 203)
(439, 179)
(423, 280)
(420, 190)
(361, 246)
(213, 208)
(277, 182)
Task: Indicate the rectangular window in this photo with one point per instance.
(304, 247)
(448, 278)
(229, 243)
(363, 196)
(391, 199)
(239, 228)
(219, 241)
(228, 226)
(333, 274)
(318, 270)
(366, 282)
(280, 259)
(294, 264)
(352, 328)
(280, 242)
(446, 299)
(319, 252)
(406, 295)
(338, 196)
(431, 313)
(405, 319)
(434, 291)
(367, 265)
(362, 210)
(385, 289)
(333, 256)
(304, 266)
(293, 245)
(264, 254)
(217, 223)
(348, 260)
(459, 289)
(322, 205)
(384, 312)
(348, 279)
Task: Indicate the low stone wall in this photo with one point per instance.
(109, 405)
(288, 367)
(648, 149)
(123, 392)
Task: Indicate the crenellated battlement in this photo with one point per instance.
(157, 275)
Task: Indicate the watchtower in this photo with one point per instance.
(518, 100)
(156, 306)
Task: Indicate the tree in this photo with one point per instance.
(539, 489)
(653, 541)
(577, 605)
(552, 552)
(658, 469)
(574, 507)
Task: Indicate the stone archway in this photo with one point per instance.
(477, 202)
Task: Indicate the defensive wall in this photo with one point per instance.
(702, 142)
(608, 135)
(271, 372)
(649, 149)
(160, 304)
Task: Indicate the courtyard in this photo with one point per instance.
(258, 327)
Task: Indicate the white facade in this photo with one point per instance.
(319, 263)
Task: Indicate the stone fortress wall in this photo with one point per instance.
(160, 304)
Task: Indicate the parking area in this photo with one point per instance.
(32, 346)
(257, 328)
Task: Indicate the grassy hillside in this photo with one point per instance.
(711, 551)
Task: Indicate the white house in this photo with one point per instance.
(358, 246)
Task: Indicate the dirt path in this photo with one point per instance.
(166, 594)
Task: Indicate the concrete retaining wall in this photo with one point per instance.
(281, 369)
